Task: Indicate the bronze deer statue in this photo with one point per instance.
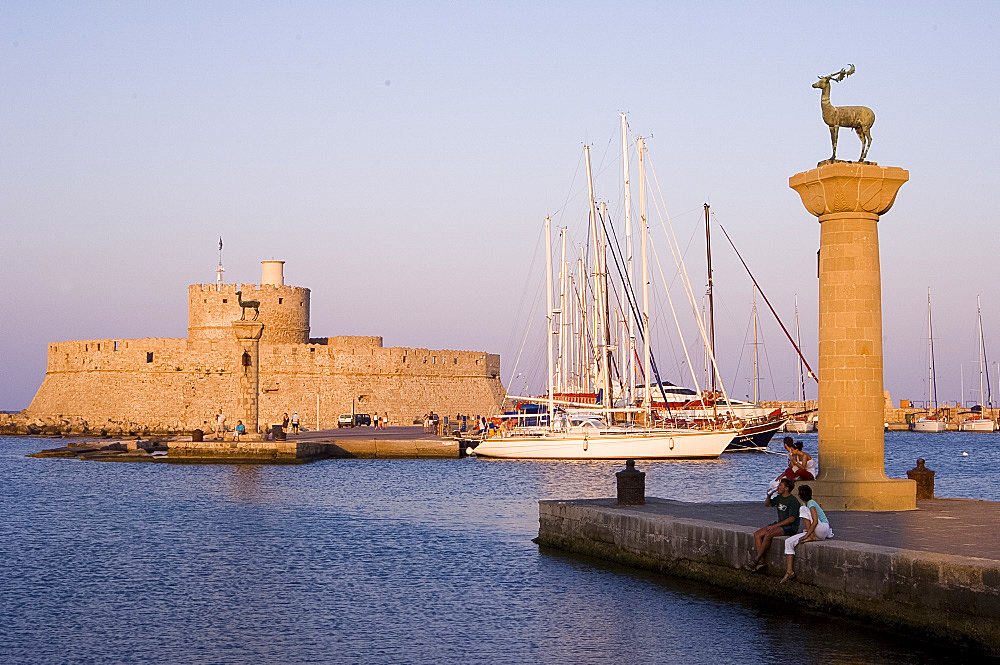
(860, 118)
(247, 304)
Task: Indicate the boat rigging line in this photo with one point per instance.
(777, 318)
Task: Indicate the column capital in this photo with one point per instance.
(840, 187)
(248, 330)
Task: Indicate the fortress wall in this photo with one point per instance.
(113, 354)
(178, 387)
(185, 382)
(403, 397)
(396, 381)
(284, 311)
(352, 341)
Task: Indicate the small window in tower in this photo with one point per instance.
(225, 300)
(149, 356)
(454, 361)
(434, 360)
(205, 300)
(116, 346)
(281, 300)
(98, 346)
(86, 347)
(312, 349)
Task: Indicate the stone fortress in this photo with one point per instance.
(179, 384)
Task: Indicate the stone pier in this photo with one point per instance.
(848, 198)
(928, 572)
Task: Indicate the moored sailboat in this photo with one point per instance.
(599, 420)
(931, 422)
(804, 423)
(756, 425)
(982, 423)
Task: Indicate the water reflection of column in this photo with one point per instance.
(248, 370)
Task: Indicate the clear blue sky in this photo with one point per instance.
(401, 157)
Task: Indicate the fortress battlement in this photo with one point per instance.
(180, 383)
(284, 311)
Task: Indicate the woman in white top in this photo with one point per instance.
(817, 528)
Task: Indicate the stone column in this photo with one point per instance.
(248, 373)
(848, 199)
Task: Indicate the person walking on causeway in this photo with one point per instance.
(787, 524)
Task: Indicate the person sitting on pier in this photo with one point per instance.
(240, 430)
(789, 472)
(787, 524)
(817, 528)
(806, 466)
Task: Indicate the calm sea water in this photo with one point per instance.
(392, 561)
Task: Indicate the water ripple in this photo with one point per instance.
(389, 561)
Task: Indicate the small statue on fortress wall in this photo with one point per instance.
(248, 304)
(860, 118)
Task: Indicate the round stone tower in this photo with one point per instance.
(284, 310)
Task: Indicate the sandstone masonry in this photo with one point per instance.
(178, 384)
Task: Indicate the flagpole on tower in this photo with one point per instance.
(219, 270)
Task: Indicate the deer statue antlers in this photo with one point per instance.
(859, 118)
(841, 75)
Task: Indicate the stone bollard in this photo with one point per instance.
(631, 485)
(197, 435)
(924, 478)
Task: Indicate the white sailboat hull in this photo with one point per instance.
(978, 425)
(652, 444)
(800, 426)
(925, 425)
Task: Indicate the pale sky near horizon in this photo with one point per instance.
(400, 157)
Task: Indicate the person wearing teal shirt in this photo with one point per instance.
(817, 528)
(787, 524)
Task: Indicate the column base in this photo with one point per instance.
(887, 494)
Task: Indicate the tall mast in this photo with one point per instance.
(756, 377)
(629, 352)
(596, 272)
(608, 355)
(798, 341)
(548, 312)
(931, 374)
(561, 330)
(982, 389)
(711, 301)
(582, 359)
(646, 401)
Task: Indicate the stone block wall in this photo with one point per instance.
(180, 384)
(284, 311)
(953, 597)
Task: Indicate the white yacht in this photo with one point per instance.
(588, 411)
(590, 437)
